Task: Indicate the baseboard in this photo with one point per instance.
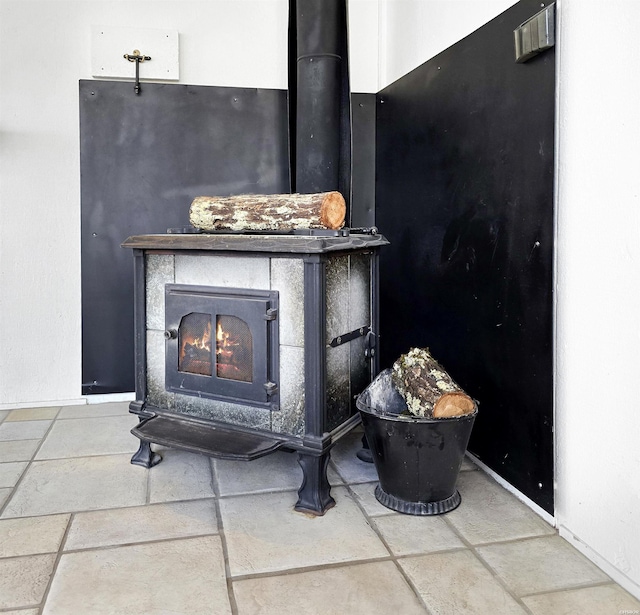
(81, 401)
(619, 577)
(43, 404)
(107, 397)
(551, 520)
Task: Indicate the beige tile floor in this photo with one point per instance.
(84, 532)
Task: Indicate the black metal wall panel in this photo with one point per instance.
(363, 159)
(464, 192)
(143, 160)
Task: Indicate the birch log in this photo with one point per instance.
(427, 388)
(270, 212)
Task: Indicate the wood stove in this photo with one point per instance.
(250, 343)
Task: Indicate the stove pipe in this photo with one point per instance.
(319, 97)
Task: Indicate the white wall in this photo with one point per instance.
(598, 284)
(363, 27)
(413, 31)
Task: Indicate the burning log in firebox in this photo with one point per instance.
(269, 212)
(427, 388)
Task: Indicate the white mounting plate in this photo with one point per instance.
(109, 45)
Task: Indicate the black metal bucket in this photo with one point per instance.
(417, 459)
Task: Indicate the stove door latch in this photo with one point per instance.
(347, 337)
(270, 388)
(271, 314)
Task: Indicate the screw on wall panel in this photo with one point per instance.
(136, 57)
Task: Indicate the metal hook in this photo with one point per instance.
(137, 58)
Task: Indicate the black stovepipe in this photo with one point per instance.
(320, 120)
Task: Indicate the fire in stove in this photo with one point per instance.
(233, 351)
(195, 344)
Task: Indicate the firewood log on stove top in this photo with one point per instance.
(427, 388)
(268, 212)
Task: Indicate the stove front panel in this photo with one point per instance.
(222, 343)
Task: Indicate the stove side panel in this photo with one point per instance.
(348, 310)
(360, 315)
(337, 358)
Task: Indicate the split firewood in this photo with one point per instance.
(427, 388)
(268, 212)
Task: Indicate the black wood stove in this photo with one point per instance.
(250, 343)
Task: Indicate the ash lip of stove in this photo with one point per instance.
(250, 343)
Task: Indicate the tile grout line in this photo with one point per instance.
(561, 590)
(314, 568)
(139, 543)
(233, 605)
(108, 508)
(56, 562)
(147, 495)
(494, 574)
(14, 489)
(486, 564)
(510, 541)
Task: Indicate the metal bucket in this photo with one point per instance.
(417, 459)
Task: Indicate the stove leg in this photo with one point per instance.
(145, 457)
(314, 495)
(364, 454)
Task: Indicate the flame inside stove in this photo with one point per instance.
(222, 338)
(195, 344)
(233, 351)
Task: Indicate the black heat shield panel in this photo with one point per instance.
(464, 193)
(363, 160)
(143, 160)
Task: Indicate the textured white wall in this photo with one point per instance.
(598, 284)
(413, 31)
(363, 45)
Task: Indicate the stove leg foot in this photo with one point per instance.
(145, 457)
(314, 495)
(364, 454)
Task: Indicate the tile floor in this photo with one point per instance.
(84, 532)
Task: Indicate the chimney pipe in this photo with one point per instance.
(319, 96)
